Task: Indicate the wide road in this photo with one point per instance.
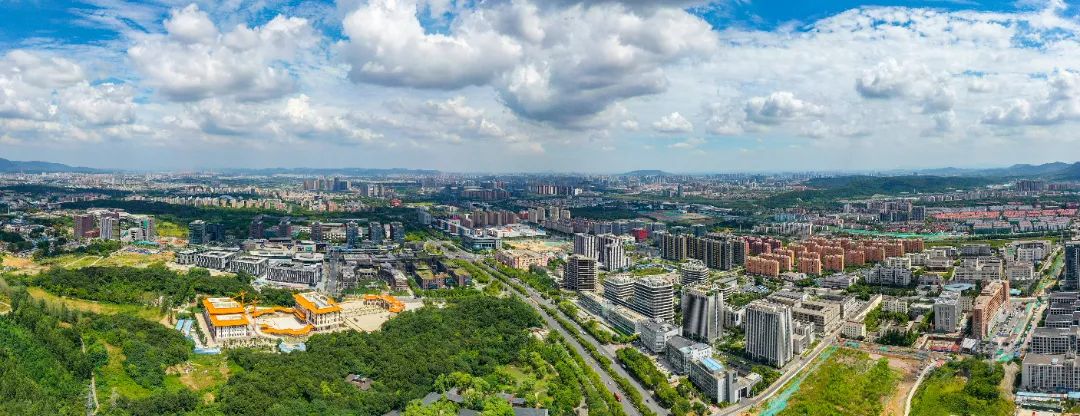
(536, 300)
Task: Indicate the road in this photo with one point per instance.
(794, 369)
(536, 300)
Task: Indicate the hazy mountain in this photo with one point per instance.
(1054, 170)
(335, 171)
(646, 172)
(15, 166)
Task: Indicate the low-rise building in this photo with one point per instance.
(655, 334)
(681, 352)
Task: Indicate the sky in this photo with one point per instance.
(540, 85)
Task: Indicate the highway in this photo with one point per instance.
(536, 300)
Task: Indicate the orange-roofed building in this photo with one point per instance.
(225, 318)
(318, 310)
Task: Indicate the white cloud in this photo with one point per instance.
(673, 123)
(388, 46)
(103, 104)
(1060, 103)
(193, 61)
(779, 107)
(690, 143)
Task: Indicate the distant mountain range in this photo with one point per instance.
(1055, 170)
(646, 172)
(14, 166)
(334, 171)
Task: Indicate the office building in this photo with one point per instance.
(693, 271)
(702, 313)
(376, 232)
(284, 228)
(317, 232)
(1050, 373)
(352, 234)
(947, 312)
(1072, 265)
(110, 228)
(654, 298)
(579, 273)
(216, 260)
(619, 289)
(197, 232)
(397, 232)
(655, 334)
(680, 352)
(825, 316)
(769, 330)
(719, 383)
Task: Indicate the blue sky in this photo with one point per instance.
(539, 86)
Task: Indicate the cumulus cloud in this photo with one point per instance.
(193, 61)
(388, 46)
(103, 104)
(779, 107)
(673, 123)
(1060, 103)
(559, 65)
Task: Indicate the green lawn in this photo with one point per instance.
(848, 383)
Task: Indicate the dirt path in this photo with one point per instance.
(909, 374)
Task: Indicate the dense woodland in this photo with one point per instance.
(134, 285)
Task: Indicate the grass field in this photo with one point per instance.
(92, 306)
(202, 374)
(112, 378)
(171, 229)
(947, 391)
(847, 383)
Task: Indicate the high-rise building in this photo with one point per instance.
(1072, 264)
(376, 232)
(110, 228)
(612, 253)
(352, 234)
(579, 273)
(654, 297)
(673, 247)
(703, 313)
(84, 225)
(397, 232)
(197, 232)
(317, 231)
(147, 228)
(947, 312)
(693, 271)
(769, 332)
(619, 289)
(284, 228)
(586, 245)
(257, 229)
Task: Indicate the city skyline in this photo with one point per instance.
(529, 87)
